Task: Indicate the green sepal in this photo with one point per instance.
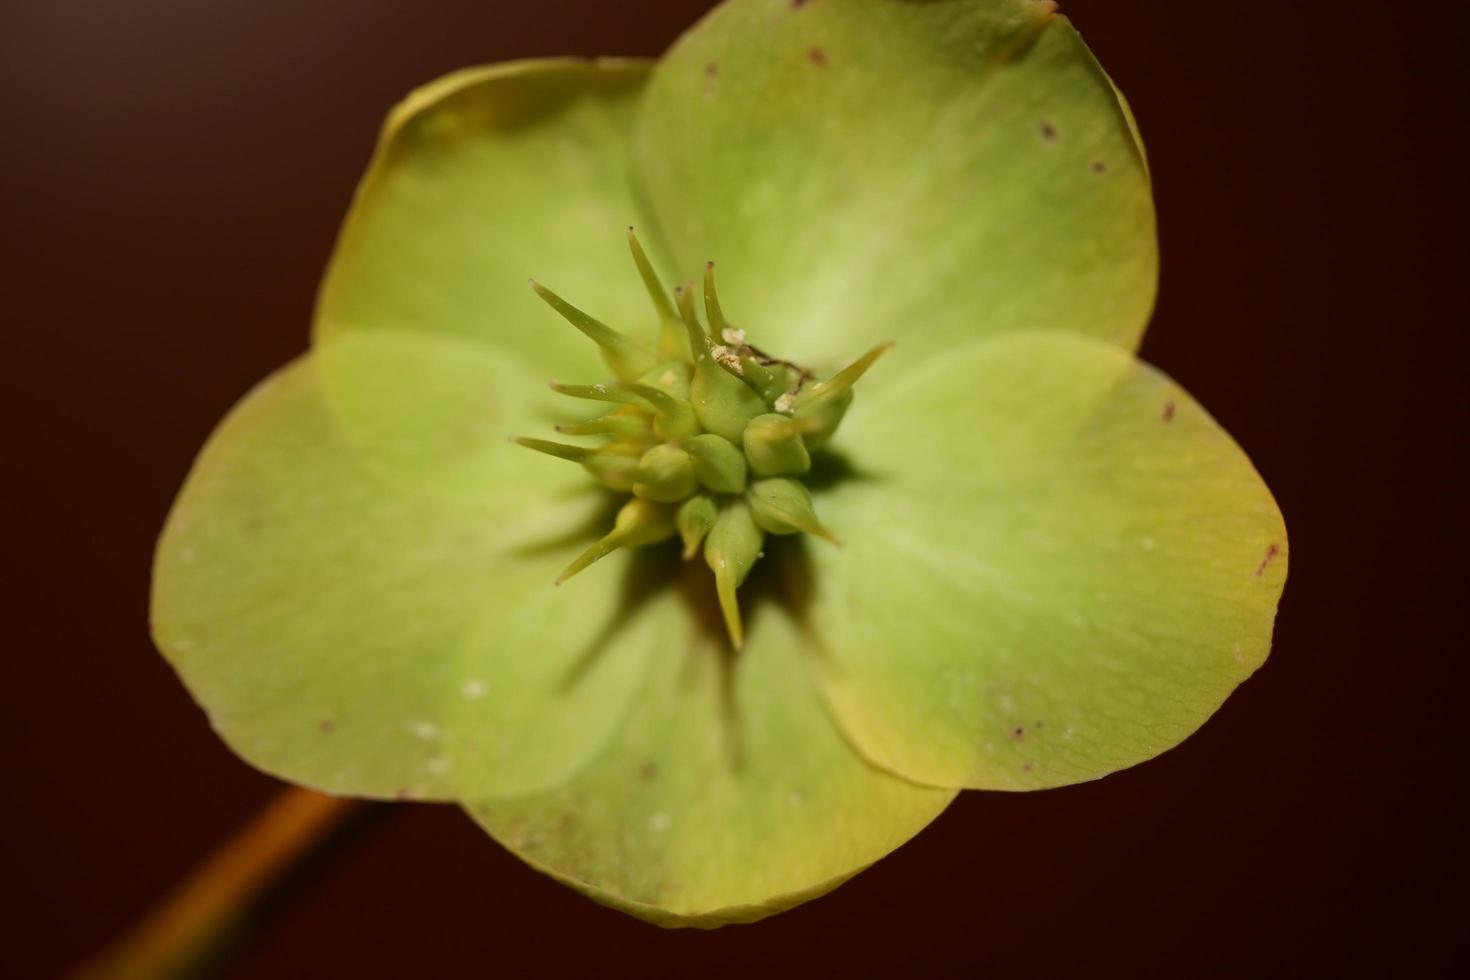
(665, 473)
(640, 522)
(784, 506)
(360, 554)
(774, 445)
(731, 550)
(826, 151)
(695, 518)
(1092, 582)
(717, 463)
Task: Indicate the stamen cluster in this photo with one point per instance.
(708, 434)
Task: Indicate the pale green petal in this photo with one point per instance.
(928, 172)
(1057, 565)
(356, 581)
(482, 180)
(728, 796)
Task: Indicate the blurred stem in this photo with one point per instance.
(177, 936)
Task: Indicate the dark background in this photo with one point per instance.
(173, 173)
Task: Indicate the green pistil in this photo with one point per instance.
(695, 518)
(640, 522)
(730, 551)
(597, 393)
(717, 463)
(709, 435)
(665, 473)
(627, 424)
(723, 402)
(781, 505)
(776, 446)
(671, 328)
(626, 357)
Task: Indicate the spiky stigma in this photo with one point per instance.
(709, 435)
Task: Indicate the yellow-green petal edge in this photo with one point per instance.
(356, 580)
(926, 172)
(482, 180)
(1058, 565)
(728, 796)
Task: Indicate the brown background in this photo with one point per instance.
(173, 173)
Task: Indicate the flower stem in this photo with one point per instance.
(197, 917)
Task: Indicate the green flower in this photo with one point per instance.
(1054, 563)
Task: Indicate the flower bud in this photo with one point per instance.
(640, 522)
(673, 418)
(627, 357)
(628, 424)
(824, 417)
(670, 376)
(612, 465)
(784, 506)
(774, 446)
(695, 518)
(664, 473)
(826, 402)
(670, 328)
(597, 393)
(731, 549)
(688, 435)
(717, 463)
(722, 402)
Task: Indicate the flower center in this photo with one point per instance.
(709, 435)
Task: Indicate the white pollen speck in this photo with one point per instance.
(438, 764)
(722, 563)
(474, 690)
(667, 379)
(660, 822)
(424, 730)
(784, 403)
(728, 358)
(733, 337)
(600, 389)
